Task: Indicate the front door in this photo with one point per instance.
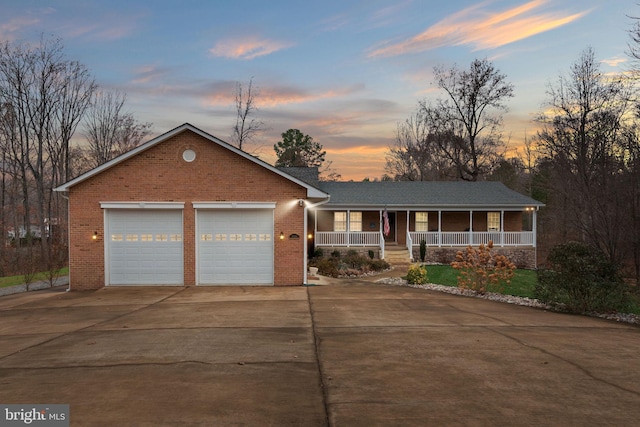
(391, 238)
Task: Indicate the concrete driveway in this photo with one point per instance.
(348, 354)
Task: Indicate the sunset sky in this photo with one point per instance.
(345, 72)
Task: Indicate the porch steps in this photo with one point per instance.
(397, 256)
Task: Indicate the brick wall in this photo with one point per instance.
(159, 174)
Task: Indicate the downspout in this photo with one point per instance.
(68, 238)
(305, 259)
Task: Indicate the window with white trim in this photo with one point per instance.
(355, 221)
(493, 221)
(422, 221)
(339, 221)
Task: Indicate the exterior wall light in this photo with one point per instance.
(95, 235)
(309, 236)
(281, 235)
(301, 203)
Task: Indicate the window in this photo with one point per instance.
(176, 237)
(206, 237)
(116, 237)
(355, 221)
(161, 237)
(146, 237)
(493, 221)
(250, 237)
(221, 237)
(422, 221)
(339, 221)
(132, 237)
(235, 237)
(265, 237)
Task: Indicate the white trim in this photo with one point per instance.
(234, 205)
(142, 205)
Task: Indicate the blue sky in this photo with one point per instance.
(344, 72)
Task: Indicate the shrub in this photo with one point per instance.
(326, 266)
(417, 275)
(481, 270)
(372, 254)
(379, 265)
(580, 278)
(351, 265)
(355, 260)
(318, 253)
(335, 254)
(423, 250)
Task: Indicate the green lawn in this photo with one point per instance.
(522, 285)
(18, 280)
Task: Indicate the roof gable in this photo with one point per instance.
(312, 192)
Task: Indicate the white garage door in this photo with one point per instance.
(235, 246)
(145, 247)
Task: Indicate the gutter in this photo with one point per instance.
(306, 256)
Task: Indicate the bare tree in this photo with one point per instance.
(247, 126)
(582, 135)
(415, 155)
(457, 137)
(467, 123)
(111, 131)
(44, 96)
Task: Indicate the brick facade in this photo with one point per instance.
(160, 174)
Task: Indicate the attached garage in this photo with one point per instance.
(235, 243)
(143, 246)
(187, 209)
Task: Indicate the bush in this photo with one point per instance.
(326, 266)
(417, 275)
(353, 264)
(335, 254)
(482, 271)
(318, 253)
(372, 254)
(423, 250)
(581, 279)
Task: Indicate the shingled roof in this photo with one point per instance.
(432, 194)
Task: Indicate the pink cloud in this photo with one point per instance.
(8, 29)
(481, 29)
(247, 47)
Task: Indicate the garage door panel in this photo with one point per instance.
(235, 246)
(145, 247)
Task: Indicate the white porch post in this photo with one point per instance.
(381, 236)
(439, 228)
(502, 228)
(348, 237)
(408, 237)
(471, 227)
(534, 227)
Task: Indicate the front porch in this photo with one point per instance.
(439, 229)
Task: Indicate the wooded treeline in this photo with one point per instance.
(45, 98)
(583, 162)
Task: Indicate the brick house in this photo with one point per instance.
(188, 209)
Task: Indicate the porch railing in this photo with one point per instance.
(432, 238)
(465, 238)
(343, 238)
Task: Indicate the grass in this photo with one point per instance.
(7, 281)
(522, 284)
